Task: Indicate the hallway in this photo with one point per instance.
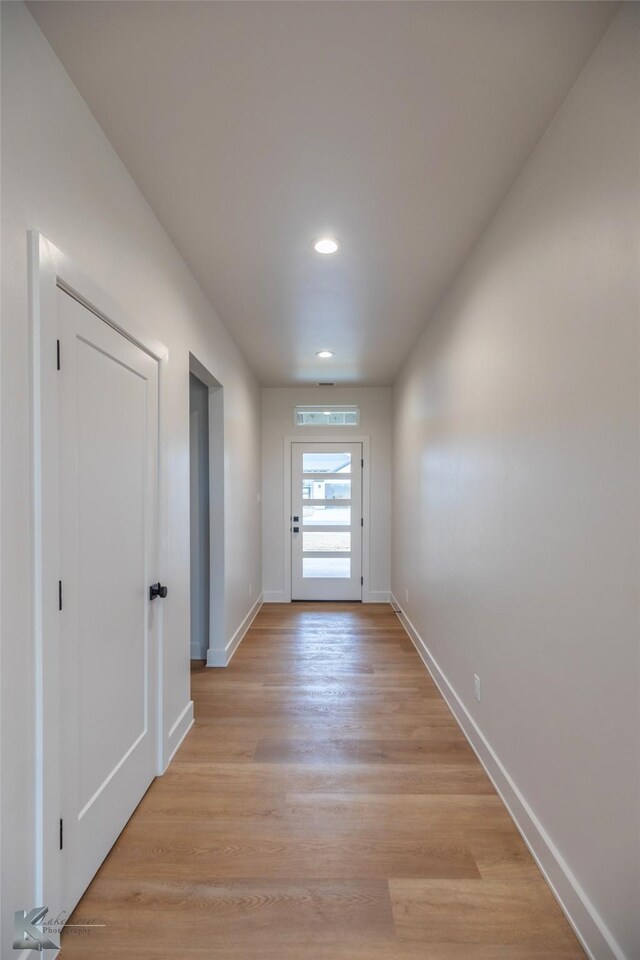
(325, 806)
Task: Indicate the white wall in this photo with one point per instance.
(516, 484)
(278, 423)
(61, 177)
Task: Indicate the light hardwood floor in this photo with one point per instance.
(325, 806)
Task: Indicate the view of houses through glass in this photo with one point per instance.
(319, 513)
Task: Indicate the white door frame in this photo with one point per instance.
(217, 485)
(343, 437)
(49, 269)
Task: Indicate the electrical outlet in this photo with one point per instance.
(406, 594)
(477, 687)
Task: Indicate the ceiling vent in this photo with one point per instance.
(326, 383)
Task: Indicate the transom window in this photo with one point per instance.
(344, 415)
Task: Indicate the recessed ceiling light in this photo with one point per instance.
(324, 354)
(326, 245)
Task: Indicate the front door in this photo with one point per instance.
(108, 422)
(326, 521)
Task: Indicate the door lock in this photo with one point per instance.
(157, 590)
(296, 529)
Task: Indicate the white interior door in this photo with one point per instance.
(108, 410)
(326, 521)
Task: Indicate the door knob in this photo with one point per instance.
(157, 590)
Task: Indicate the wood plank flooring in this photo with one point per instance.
(325, 806)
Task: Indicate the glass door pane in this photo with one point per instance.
(326, 541)
(318, 462)
(326, 489)
(315, 568)
(326, 514)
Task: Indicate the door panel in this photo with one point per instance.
(108, 483)
(326, 507)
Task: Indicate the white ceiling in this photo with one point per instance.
(254, 127)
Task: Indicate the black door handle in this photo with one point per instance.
(157, 590)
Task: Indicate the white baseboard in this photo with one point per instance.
(375, 596)
(274, 596)
(178, 731)
(379, 596)
(197, 653)
(221, 658)
(590, 928)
